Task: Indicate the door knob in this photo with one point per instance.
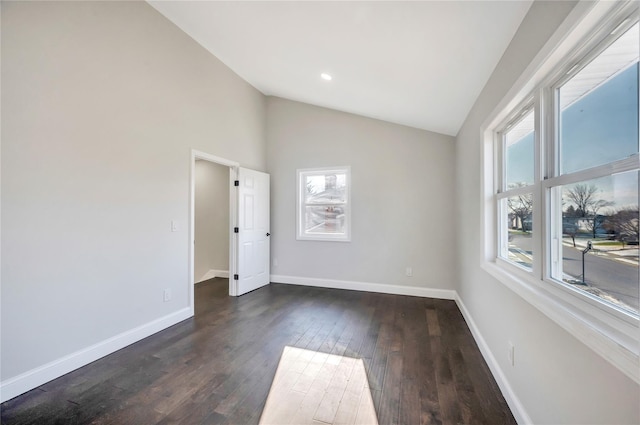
(268, 234)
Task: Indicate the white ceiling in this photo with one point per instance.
(421, 64)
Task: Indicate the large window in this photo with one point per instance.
(323, 204)
(566, 173)
(594, 209)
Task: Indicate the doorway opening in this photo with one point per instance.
(211, 211)
(247, 227)
(212, 253)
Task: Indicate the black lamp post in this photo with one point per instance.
(584, 251)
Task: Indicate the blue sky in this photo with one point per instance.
(600, 127)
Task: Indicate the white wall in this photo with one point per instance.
(102, 103)
(556, 378)
(402, 197)
(211, 219)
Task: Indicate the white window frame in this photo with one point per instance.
(610, 332)
(301, 234)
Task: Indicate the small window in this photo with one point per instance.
(324, 204)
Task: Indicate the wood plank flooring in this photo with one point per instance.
(312, 386)
(340, 357)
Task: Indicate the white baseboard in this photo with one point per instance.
(445, 294)
(208, 275)
(33, 378)
(221, 273)
(213, 273)
(513, 401)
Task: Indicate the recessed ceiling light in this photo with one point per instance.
(326, 76)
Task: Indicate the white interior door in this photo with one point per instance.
(253, 231)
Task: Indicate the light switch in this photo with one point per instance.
(174, 225)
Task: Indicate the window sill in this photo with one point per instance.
(322, 238)
(613, 339)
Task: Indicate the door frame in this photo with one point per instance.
(233, 260)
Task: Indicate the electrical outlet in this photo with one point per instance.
(511, 353)
(174, 225)
(409, 271)
(167, 295)
(275, 262)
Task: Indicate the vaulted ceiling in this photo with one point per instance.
(421, 64)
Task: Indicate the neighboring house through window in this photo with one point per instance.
(324, 210)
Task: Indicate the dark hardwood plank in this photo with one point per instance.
(422, 364)
(389, 407)
(413, 325)
(447, 395)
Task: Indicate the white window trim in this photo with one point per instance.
(612, 334)
(300, 206)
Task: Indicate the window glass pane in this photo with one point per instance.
(325, 219)
(599, 108)
(600, 238)
(519, 141)
(327, 188)
(519, 226)
(323, 204)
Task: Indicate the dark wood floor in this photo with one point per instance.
(422, 363)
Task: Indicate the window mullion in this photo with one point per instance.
(552, 242)
(552, 150)
(516, 191)
(500, 176)
(627, 164)
(538, 202)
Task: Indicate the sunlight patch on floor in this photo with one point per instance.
(311, 387)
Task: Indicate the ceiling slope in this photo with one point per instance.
(421, 64)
